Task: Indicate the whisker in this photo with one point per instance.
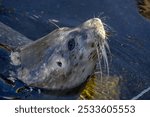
(107, 46)
(108, 50)
(104, 56)
(106, 60)
(102, 17)
(99, 59)
(101, 47)
(94, 16)
(54, 24)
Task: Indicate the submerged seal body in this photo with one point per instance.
(63, 59)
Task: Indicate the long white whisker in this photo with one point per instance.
(108, 49)
(105, 58)
(107, 46)
(99, 60)
(100, 52)
(54, 24)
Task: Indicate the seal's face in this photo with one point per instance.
(69, 59)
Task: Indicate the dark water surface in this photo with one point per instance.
(129, 37)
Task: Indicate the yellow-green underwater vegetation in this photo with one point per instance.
(105, 88)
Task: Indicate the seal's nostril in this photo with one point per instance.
(59, 63)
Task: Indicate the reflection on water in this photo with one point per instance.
(144, 8)
(5, 10)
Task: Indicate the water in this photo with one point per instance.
(129, 39)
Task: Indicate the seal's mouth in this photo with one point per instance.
(101, 43)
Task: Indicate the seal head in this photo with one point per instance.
(63, 59)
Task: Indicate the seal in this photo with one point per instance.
(62, 59)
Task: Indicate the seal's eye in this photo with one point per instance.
(71, 44)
